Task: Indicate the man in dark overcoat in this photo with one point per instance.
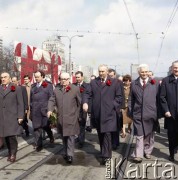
(11, 114)
(106, 97)
(40, 93)
(83, 115)
(67, 98)
(143, 108)
(25, 100)
(169, 104)
(115, 135)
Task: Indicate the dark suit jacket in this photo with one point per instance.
(169, 97)
(25, 97)
(106, 100)
(82, 88)
(39, 104)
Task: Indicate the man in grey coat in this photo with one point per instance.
(143, 103)
(11, 114)
(106, 96)
(67, 98)
(41, 91)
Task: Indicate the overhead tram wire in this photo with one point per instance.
(136, 34)
(78, 31)
(165, 32)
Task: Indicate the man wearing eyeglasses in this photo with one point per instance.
(67, 98)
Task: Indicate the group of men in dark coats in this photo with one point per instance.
(105, 94)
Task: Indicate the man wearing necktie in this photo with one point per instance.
(169, 104)
(67, 98)
(40, 93)
(106, 100)
(143, 108)
(11, 114)
(83, 115)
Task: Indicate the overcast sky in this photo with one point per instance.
(149, 17)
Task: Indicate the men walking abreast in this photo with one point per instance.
(83, 115)
(25, 100)
(67, 98)
(106, 96)
(11, 114)
(143, 103)
(169, 104)
(41, 91)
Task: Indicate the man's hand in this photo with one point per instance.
(49, 113)
(168, 114)
(20, 121)
(85, 107)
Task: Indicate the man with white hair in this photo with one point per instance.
(106, 96)
(67, 98)
(143, 105)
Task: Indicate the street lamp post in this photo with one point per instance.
(70, 46)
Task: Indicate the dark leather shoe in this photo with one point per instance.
(27, 134)
(65, 157)
(69, 159)
(104, 161)
(137, 160)
(13, 158)
(39, 148)
(114, 147)
(171, 158)
(80, 145)
(52, 140)
(89, 129)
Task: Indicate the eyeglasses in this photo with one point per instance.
(64, 79)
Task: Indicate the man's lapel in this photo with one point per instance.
(61, 89)
(104, 84)
(98, 81)
(1, 90)
(8, 90)
(137, 82)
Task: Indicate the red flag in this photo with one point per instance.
(18, 49)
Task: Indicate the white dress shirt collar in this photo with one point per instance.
(146, 80)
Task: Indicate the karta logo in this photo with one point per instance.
(154, 170)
